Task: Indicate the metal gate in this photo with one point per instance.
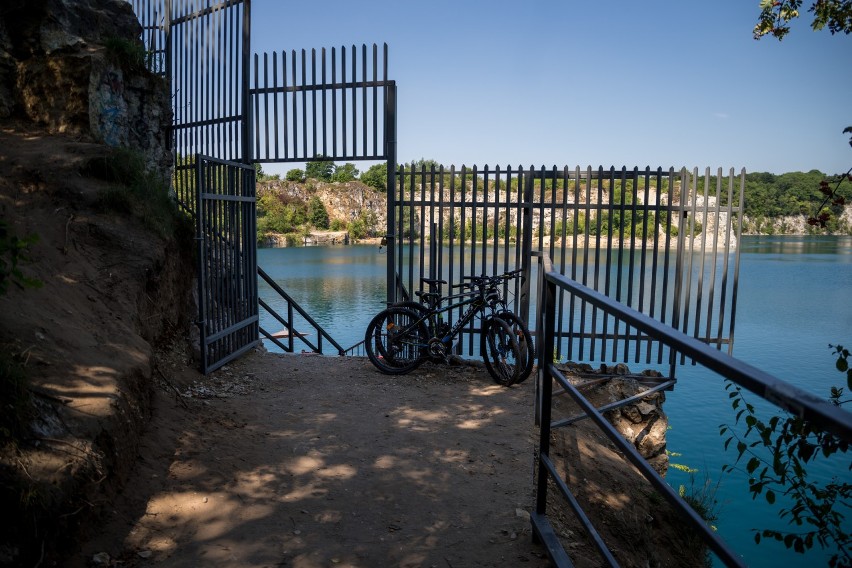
(227, 274)
(202, 48)
(663, 242)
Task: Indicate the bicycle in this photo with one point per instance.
(406, 334)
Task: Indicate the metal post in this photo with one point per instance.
(390, 152)
(526, 247)
(246, 134)
(545, 350)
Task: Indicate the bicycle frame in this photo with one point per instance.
(476, 303)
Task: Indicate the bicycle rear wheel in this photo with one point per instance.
(501, 352)
(525, 343)
(394, 340)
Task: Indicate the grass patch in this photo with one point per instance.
(128, 54)
(136, 191)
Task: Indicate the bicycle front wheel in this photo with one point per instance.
(501, 353)
(394, 340)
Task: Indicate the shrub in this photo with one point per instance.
(14, 251)
(376, 177)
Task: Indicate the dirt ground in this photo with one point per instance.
(309, 461)
(276, 460)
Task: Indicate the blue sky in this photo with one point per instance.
(611, 83)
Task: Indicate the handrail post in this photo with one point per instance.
(545, 350)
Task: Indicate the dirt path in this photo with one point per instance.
(308, 461)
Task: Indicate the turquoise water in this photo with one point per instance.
(794, 299)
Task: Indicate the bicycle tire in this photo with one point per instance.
(501, 352)
(394, 340)
(525, 343)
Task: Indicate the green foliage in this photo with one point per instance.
(702, 498)
(139, 192)
(320, 169)
(129, 54)
(376, 176)
(478, 232)
(346, 172)
(337, 225)
(364, 226)
(776, 453)
(14, 251)
(422, 165)
(260, 175)
(277, 214)
(296, 175)
(775, 16)
(832, 199)
(317, 213)
(410, 220)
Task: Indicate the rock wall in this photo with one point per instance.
(643, 423)
(72, 66)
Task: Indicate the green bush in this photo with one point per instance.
(320, 169)
(129, 54)
(376, 177)
(296, 175)
(14, 251)
(139, 192)
(346, 172)
(317, 213)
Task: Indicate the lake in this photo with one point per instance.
(794, 299)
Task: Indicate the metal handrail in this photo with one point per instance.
(785, 395)
(287, 322)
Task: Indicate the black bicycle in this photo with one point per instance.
(406, 334)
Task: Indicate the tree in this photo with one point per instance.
(296, 175)
(776, 15)
(320, 169)
(376, 176)
(346, 172)
(317, 213)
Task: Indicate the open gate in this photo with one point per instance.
(227, 263)
(202, 48)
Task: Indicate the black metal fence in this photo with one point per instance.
(661, 241)
(554, 285)
(327, 107)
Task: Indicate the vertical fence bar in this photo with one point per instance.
(334, 104)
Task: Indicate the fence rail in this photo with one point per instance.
(290, 334)
(782, 394)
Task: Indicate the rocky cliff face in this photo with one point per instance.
(86, 336)
(73, 67)
(343, 201)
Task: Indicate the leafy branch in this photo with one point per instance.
(776, 454)
(775, 16)
(831, 195)
(14, 251)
